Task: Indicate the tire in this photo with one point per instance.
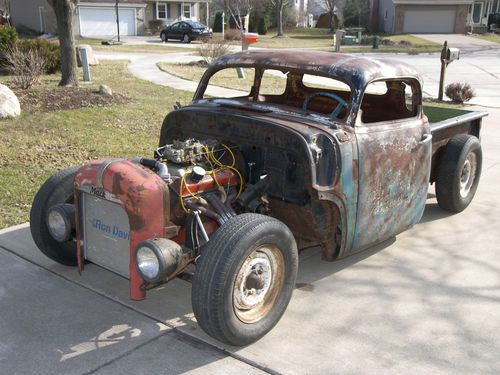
(163, 37)
(57, 189)
(248, 242)
(186, 38)
(458, 173)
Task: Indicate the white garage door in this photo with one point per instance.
(429, 21)
(102, 22)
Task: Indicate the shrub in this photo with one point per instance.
(367, 40)
(26, 66)
(263, 25)
(459, 92)
(217, 23)
(156, 25)
(8, 38)
(387, 42)
(211, 49)
(48, 50)
(232, 34)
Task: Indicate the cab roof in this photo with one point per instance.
(355, 70)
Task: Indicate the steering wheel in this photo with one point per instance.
(337, 109)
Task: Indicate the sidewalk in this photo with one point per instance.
(464, 42)
(144, 66)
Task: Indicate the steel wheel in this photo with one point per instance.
(468, 174)
(257, 284)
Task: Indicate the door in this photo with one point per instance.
(184, 29)
(394, 160)
(102, 22)
(477, 13)
(174, 31)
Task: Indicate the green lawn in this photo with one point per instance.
(490, 37)
(140, 48)
(34, 146)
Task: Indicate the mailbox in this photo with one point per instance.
(250, 38)
(452, 54)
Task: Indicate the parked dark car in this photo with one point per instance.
(186, 31)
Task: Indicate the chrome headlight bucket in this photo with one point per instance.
(157, 259)
(61, 221)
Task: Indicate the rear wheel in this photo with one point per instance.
(245, 278)
(186, 39)
(458, 173)
(57, 189)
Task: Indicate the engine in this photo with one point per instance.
(203, 177)
(148, 219)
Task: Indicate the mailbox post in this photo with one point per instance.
(246, 40)
(447, 56)
(339, 34)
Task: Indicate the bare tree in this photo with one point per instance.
(279, 5)
(236, 8)
(64, 10)
(330, 7)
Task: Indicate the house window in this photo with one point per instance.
(161, 11)
(187, 11)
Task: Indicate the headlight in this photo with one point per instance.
(158, 259)
(61, 221)
(148, 264)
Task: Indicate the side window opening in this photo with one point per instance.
(230, 78)
(390, 100)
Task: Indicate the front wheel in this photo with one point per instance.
(245, 278)
(163, 37)
(56, 190)
(458, 173)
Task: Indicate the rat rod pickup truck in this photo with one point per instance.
(307, 149)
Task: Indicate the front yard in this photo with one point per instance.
(489, 37)
(323, 39)
(35, 145)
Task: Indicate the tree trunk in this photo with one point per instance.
(279, 18)
(64, 15)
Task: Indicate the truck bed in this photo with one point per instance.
(445, 123)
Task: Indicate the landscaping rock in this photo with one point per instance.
(90, 55)
(9, 104)
(105, 90)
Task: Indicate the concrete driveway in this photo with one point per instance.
(427, 301)
(461, 41)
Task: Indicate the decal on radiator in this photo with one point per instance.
(114, 230)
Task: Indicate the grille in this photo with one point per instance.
(106, 234)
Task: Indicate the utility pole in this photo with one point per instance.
(117, 18)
